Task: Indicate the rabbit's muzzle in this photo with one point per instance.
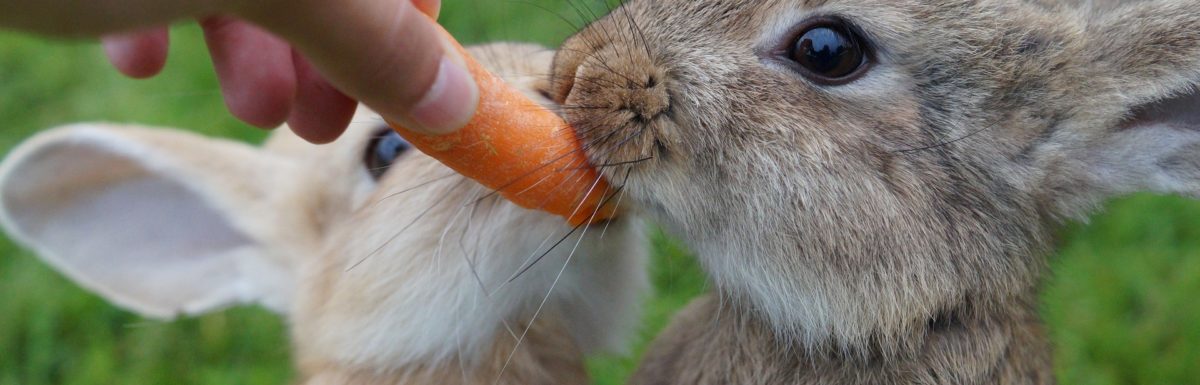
(619, 102)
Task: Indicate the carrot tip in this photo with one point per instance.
(525, 152)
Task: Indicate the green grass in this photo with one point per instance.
(1121, 303)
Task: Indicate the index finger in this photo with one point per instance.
(385, 53)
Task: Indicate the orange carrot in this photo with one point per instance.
(521, 150)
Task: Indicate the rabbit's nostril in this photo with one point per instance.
(648, 103)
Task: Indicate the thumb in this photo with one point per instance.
(385, 53)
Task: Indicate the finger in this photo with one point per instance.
(255, 69)
(431, 8)
(140, 54)
(384, 53)
(96, 18)
(321, 112)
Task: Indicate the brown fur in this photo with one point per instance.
(891, 230)
(713, 344)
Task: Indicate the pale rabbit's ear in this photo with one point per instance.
(1151, 49)
(1148, 56)
(158, 221)
(1156, 150)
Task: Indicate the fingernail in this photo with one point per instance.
(138, 55)
(450, 102)
(432, 8)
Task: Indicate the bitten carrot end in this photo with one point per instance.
(526, 153)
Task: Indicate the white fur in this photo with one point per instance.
(450, 299)
(166, 223)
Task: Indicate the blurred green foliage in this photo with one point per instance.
(1121, 302)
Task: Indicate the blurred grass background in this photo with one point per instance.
(1121, 303)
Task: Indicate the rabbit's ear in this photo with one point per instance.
(1157, 149)
(1151, 52)
(161, 222)
(1150, 48)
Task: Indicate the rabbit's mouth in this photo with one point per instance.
(624, 103)
(624, 118)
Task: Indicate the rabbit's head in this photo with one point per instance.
(380, 256)
(852, 169)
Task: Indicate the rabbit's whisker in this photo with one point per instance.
(466, 227)
(620, 197)
(559, 16)
(403, 229)
(474, 258)
(530, 172)
(626, 163)
(537, 254)
(948, 142)
(553, 284)
(529, 264)
(413, 188)
(640, 33)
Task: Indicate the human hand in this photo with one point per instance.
(385, 53)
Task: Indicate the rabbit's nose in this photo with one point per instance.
(608, 80)
(617, 94)
(626, 88)
(647, 100)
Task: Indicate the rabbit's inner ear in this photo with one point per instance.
(128, 221)
(1142, 126)
(1181, 111)
(1156, 150)
(144, 242)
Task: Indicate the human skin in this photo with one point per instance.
(301, 61)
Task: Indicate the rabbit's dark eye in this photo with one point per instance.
(829, 52)
(383, 150)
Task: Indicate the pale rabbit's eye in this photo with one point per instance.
(383, 150)
(829, 52)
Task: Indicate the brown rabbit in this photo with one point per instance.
(391, 268)
(872, 185)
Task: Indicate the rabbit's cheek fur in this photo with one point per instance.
(794, 196)
(358, 310)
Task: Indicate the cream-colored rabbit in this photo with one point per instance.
(390, 268)
(873, 185)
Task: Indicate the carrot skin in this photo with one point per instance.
(521, 150)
